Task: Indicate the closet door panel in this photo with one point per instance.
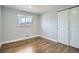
(74, 19)
(74, 27)
(74, 42)
(63, 37)
(63, 27)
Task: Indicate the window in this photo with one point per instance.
(24, 20)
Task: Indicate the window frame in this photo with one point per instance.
(24, 24)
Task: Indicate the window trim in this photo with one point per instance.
(25, 24)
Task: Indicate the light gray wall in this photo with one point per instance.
(49, 25)
(0, 23)
(10, 29)
(45, 25)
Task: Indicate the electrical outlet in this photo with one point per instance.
(26, 35)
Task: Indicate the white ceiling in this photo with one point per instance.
(38, 9)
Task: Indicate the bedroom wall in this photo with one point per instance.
(0, 23)
(10, 29)
(49, 25)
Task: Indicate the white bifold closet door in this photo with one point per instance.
(74, 27)
(63, 27)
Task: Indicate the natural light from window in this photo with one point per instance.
(24, 20)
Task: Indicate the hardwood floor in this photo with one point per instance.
(37, 45)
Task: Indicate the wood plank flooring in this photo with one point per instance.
(37, 45)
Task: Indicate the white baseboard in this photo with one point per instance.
(19, 39)
(48, 38)
(27, 38)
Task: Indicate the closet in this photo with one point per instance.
(63, 27)
(68, 27)
(74, 27)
